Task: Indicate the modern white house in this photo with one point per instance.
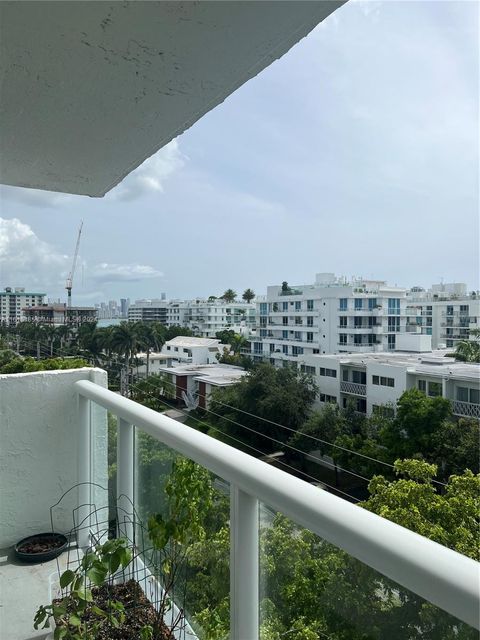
(13, 301)
(198, 380)
(182, 350)
(206, 317)
(330, 316)
(375, 381)
(446, 312)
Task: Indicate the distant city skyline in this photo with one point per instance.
(355, 153)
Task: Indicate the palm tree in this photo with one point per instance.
(248, 295)
(229, 295)
(62, 333)
(146, 340)
(469, 350)
(124, 341)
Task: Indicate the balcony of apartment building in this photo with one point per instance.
(54, 426)
(353, 380)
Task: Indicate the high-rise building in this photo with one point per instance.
(445, 311)
(148, 311)
(14, 301)
(329, 316)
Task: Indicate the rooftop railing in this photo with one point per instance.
(441, 576)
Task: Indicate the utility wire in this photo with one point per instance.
(277, 424)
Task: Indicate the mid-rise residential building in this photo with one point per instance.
(375, 381)
(206, 317)
(59, 314)
(13, 301)
(154, 310)
(329, 316)
(446, 312)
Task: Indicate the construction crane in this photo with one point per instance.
(69, 283)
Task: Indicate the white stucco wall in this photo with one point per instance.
(38, 454)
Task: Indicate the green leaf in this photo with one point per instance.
(59, 633)
(97, 574)
(85, 594)
(66, 578)
(74, 620)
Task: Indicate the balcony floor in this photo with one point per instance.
(23, 587)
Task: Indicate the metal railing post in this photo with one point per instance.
(244, 558)
(125, 486)
(84, 472)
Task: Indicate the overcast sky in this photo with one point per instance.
(356, 153)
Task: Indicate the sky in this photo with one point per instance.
(356, 153)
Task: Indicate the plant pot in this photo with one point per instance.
(41, 547)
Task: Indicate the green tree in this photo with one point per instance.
(124, 341)
(248, 295)
(284, 396)
(469, 350)
(229, 295)
(418, 419)
(450, 518)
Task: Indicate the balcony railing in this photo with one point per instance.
(356, 388)
(467, 409)
(441, 576)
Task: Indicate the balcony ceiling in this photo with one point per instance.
(92, 89)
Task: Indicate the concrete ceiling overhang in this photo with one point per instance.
(91, 89)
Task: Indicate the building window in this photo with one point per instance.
(449, 310)
(324, 397)
(285, 349)
(284, 306)
(263, 309)
(382, 410)
(316, 351)
(298, 306)
(309, 336)
(391, 342)
(285, 320)
(372, 303)
(329, 373)
(298, 335)
(358, 304)
(305, 368)
(422, 385)
(309, 321)
(360, 377)
(343, 321)
(342, 338)
(434, 389)
(475, 396)
(298, 321)
(284, 334)
(309, 305)
(394, 306)
(383, 381)
(393, 324)
(343, 304)
(272, 347)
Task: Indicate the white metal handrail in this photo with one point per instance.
(444, 577)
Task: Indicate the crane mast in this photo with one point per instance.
(69, 282)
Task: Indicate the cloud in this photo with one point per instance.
(34, 197)
(109, 273)
(25, 260)
(151, 176)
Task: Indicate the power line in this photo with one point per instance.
(314, 438)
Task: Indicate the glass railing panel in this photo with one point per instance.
(183, 537)
(310, 589)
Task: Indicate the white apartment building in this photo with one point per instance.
(149, 311)
(194, 350)
(329, 316)
(13, 301)
(206, 317)
(446, 312)
(375, 381)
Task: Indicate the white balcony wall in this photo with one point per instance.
(38, 455)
